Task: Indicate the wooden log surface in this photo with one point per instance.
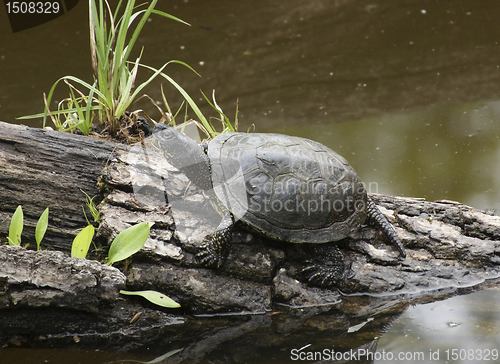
(44, 168)
(452, 249)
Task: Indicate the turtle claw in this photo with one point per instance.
(327, 269)
(217, 245)
(322, 276)
(209, 257)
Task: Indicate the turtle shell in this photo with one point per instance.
(287, 188)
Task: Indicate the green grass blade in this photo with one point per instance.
(89, 201)
(88, 112)
(126, 102)
(166, 15)
(134, 16)
(155, 297)
(75, 102)
(128, 242)
(121, 52)
(224, 119)
(58, 112)
(16, 227)
(81, 243)
(92, 28)
(117, 9)
(41, 227)
(85, 84)
(139, 27)
(188, 98)
(84, 115)
(126, 85)
(51, 92)
(191, 103)
(102, 50)
(49, 98)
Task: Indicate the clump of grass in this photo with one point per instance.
(111, 49)
(103, 105)
(112, 39)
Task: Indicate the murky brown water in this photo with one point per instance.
(408, 92)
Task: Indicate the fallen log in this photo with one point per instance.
(43, 168)
(451, 248)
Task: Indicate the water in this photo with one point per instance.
(441, 153)
(463, 329)
(408, 92)
(63, 356)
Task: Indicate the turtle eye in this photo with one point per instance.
(167, 134)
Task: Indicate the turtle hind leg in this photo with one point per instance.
(376, 219)
(217, 245)
(327, 268)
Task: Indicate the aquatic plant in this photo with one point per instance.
(112, 39)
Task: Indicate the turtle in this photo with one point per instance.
(282, 187)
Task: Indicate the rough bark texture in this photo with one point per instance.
(43, 168)
(48, 298)
(52, 279)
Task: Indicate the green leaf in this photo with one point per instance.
(58, 112)
(169, 16)
(155, 297)
(82, 241)
(86, 128)
(128, 242)
(138, 28)
(41, 227)
(16, 227)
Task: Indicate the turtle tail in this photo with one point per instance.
(376, 219)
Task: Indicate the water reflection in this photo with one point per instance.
(426, 333)
(465, 326)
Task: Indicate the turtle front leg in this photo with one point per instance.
(327, 268)
(217, 245)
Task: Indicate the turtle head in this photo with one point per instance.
(178, 148)
(183, 153)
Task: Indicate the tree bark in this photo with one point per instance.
(451, 248)
(44, 168)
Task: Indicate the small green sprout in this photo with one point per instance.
(41, 227)
(81, 243)
(16, 227)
